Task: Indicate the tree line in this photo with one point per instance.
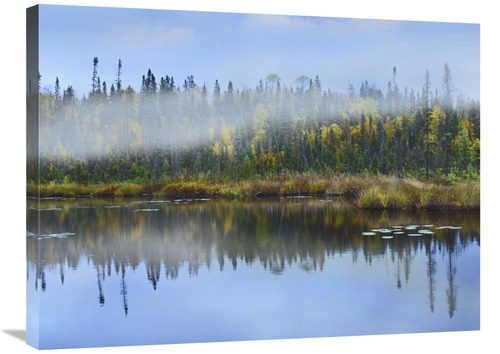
(116, 134)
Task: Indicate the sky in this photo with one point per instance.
(13, 143)
(245, 47)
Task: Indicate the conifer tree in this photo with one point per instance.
(95, 78)
(119, 77)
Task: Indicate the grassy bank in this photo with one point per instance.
(367, 192)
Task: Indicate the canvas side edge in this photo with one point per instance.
(32, 167)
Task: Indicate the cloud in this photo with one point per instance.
(369, 25)
(287, 22)
(275, 21)
(312, 23)
(159, 35)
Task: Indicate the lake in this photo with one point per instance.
(111, 272)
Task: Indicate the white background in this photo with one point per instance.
(12, 174)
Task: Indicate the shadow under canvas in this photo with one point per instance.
(17, 333)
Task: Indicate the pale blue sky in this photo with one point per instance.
(245, 48)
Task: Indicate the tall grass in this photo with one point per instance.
(367, 192)
(391, 193)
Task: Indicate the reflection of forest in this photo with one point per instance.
(167, 238)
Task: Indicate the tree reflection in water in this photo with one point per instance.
(273, 233)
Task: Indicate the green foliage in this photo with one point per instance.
(161, 132)
(452, 178)
(159, 195)
(246, 169)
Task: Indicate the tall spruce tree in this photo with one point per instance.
(95, 78)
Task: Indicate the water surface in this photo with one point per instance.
(107, 272)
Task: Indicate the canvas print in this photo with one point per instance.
(210, 177)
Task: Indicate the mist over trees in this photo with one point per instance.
(114, 133)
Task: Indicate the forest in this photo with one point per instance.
(114, 134)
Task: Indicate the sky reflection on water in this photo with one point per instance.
(218, 271)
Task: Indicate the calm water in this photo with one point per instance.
(136, 271)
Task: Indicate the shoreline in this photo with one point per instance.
(377, 192)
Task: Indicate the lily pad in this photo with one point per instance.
(61, 235)
(415, 235)
(42, 237)
(368, 233)
(45, 209)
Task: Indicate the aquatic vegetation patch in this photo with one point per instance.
(43, 237)
(449, 227)
(45, 209)
(412, 230)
